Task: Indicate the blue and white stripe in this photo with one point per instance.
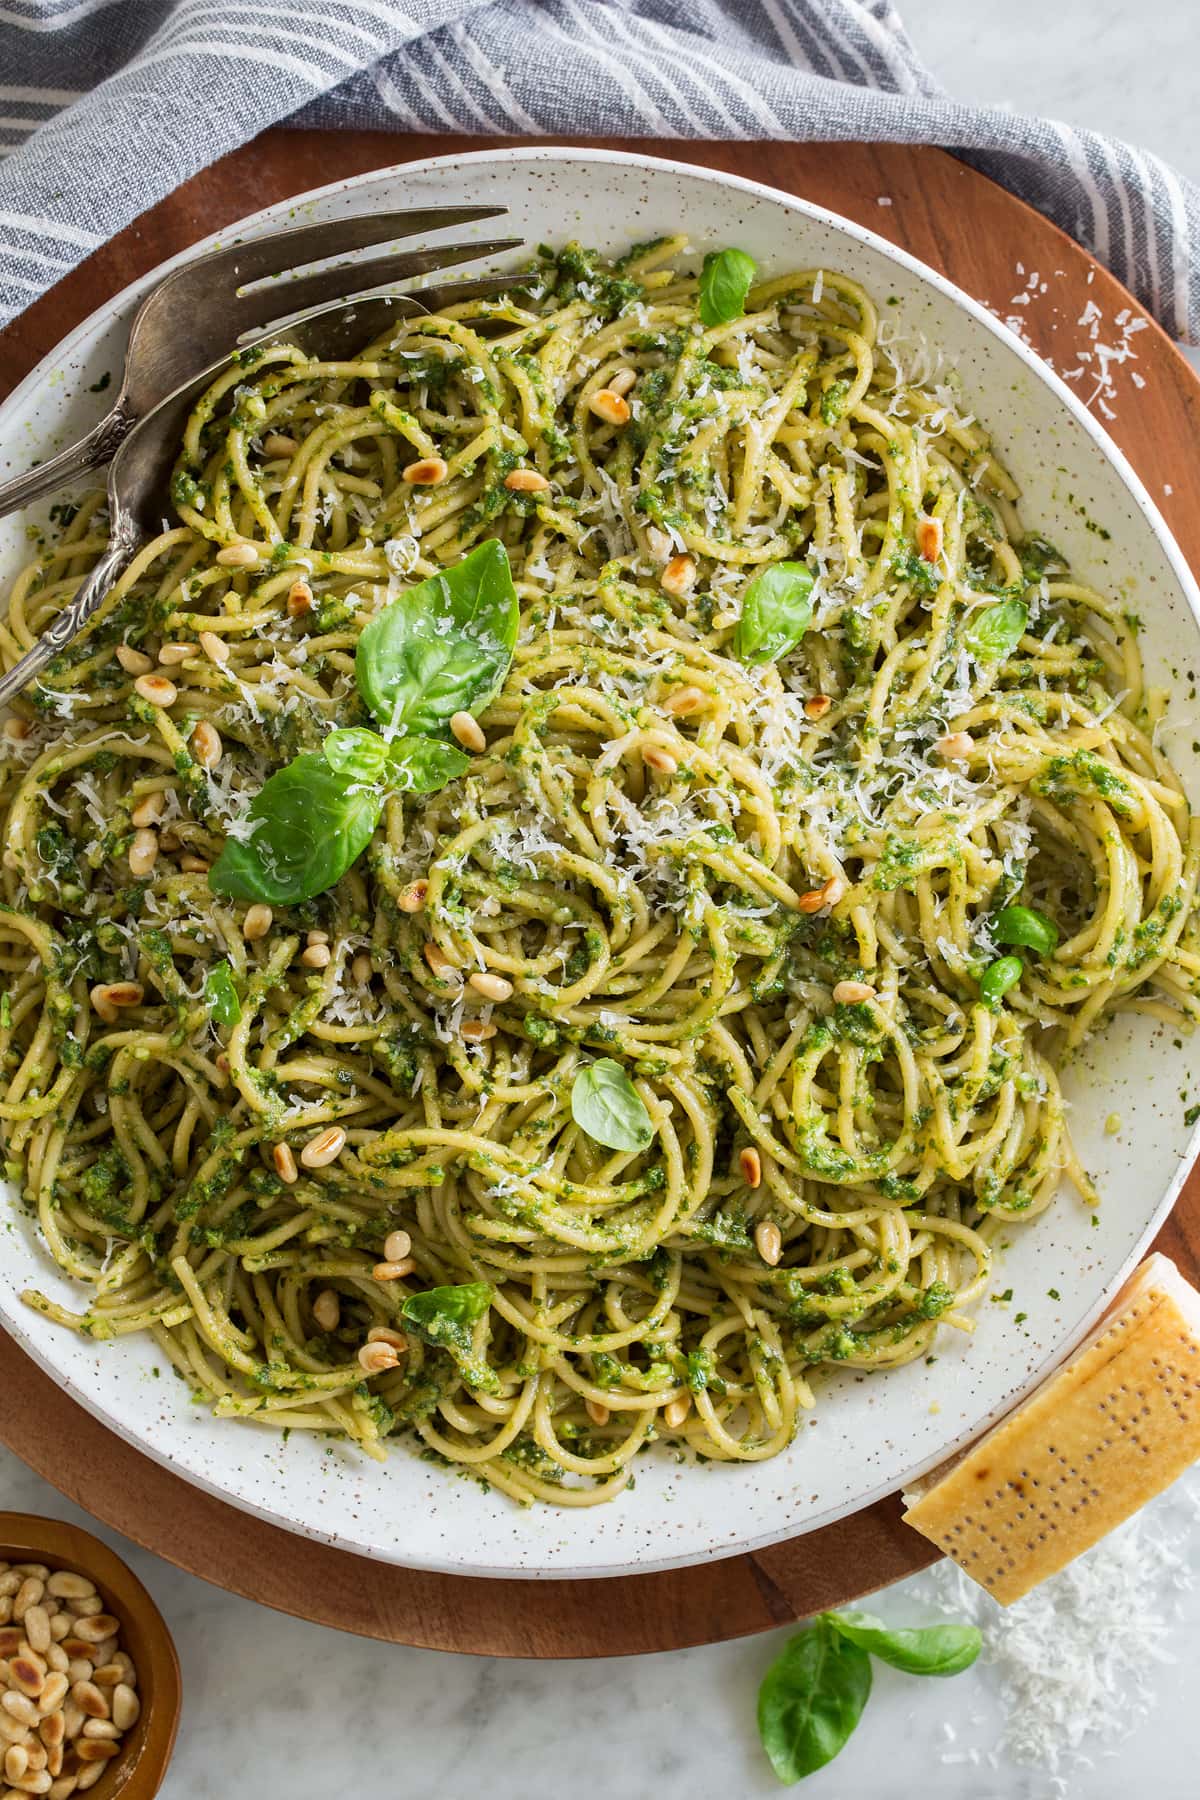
(173, 84)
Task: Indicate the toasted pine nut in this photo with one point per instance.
(492, 987)
(323, 1149)
(257, 922)
(37, 1628)
(676, 1411)
(684, 701)
(396, 1246)
(316, 937)
(150, 810)
(101, 1728)
(376, 1358)
(929, 539)
(428, 472)
(476, 1031)
(56, 1659)
(106, 997)
(299, 599)
(439, 962)
(661, 760)
(828, 894)
(172, 654)
(387, 1334)
(95, 1750)
(362, 968)
(192, 864)
(956, 746)
(206, 744)
(23, 1674)
(393, 1271)
(16, 1761)
(125, 1706)
(612, 407)
(134, 662)
(214, 647)
(143, 852)
(597, 1412)
(622, 381)
(89, 1699)
(88, 1776)
(156, 689)
(849, 993)
(679, 576)
(412, 898)
(817, 707)
(750, 1163)
(468, 732)
(768, 1241)
(316, 956)
(20, 1707)
(17, 730)
(285, 1162)
(277, 443)
(53, 1693)
(526, 481)
(327, 1313)
(94, 1628)
(237, 556)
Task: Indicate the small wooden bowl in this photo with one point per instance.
(137, 1774)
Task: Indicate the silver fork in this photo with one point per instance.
(140, 470)
(193, 316)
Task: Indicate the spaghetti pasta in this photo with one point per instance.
(820, 799)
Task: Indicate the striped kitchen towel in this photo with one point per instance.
(107, 105)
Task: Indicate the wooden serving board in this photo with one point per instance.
(994, 247)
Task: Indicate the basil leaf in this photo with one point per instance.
(997, 630)
(220, 995)
(776, 613)
(998, 977)
(605, 1104)
(422, 765)
(811, 1699)
(724, 283)
(443, 647)
(927, 1650)
(305, 827)
(356, 752)
(444, 1316)
(1026, 926)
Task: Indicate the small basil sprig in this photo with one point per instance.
(997, 630)
(220, 995)
(1026, 927)
(445, 1317)
(724, 283)
(304, 828)
(443, 647)
(813, 1695)
(605, 1104)
(776, 613)
(998, 977)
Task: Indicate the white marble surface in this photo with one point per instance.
(288, 1711)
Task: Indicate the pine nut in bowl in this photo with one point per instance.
(73, 1600)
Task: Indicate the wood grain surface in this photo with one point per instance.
(994, 247)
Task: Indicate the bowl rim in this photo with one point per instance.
(27, 1537)
(121, 305)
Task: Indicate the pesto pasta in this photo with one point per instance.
(546, 909)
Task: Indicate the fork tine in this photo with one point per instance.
(339, 330)
(260, 258)
(265, 304)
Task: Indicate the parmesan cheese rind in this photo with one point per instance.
(1105, 1434)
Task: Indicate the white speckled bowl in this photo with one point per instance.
(867, 1436)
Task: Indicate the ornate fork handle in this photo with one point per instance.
(94, 449)
(72, 619)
